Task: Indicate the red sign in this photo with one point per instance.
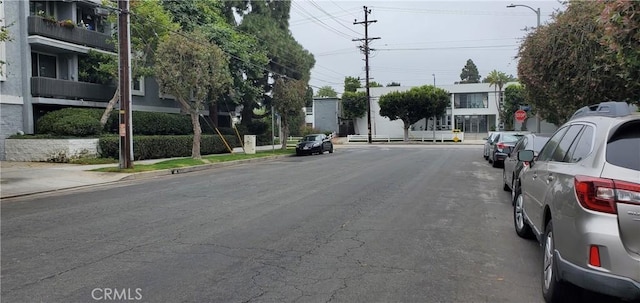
(521, 115)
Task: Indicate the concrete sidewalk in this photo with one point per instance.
(27, 178)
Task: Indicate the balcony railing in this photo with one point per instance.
(52, 29)
(66, 89)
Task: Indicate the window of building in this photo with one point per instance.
(87, 17)
(41, 8)
(43, 65)
(474, 100)
(137, 86)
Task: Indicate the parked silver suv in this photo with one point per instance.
(581, 199)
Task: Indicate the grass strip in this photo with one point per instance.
(186, 162)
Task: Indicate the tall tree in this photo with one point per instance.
(150, 23)
(498, 80)
(621, 22)
(351, 84)
(247, 61)
(514, 97)
(288, 100)
(413, 105)
(354, 105)
(470, 73)
(195, 72)
(327, 92)
(565, 65)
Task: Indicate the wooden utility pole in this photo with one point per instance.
(366, 50)
(124, 49)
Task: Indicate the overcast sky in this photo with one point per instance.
(418, 38)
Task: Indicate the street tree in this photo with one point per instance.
(621, 24)
(326, 92)
(498, 80)
(247, 58)
(566, 64)
(195, 71)
(413, 105)
(514, 97)
(288, 100)
(375, 84)
(470, 73)
(351, 84)
(150, 23)
(354, 106)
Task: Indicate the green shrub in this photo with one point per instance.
(73, 121)
(152, 123)
(45, 125)
(159, 147)
(77, 125)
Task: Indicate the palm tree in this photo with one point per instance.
(498, 80)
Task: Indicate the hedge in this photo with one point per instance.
(159, 147)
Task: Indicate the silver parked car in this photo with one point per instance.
(512, 167)
(581, 199)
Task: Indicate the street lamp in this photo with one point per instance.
(537, 11)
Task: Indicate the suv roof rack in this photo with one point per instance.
(605, 109)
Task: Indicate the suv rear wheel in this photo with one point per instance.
(553, 290)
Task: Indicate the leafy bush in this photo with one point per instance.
(80, 125)
(81, 122)
(44, 125)
(158, 147)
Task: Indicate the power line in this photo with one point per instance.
(332, 17)
(324, 25)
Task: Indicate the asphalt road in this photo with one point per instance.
(365, 224)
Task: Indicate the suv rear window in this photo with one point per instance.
(623, 149)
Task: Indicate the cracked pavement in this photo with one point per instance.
(365, 224)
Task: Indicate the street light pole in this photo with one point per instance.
(537, 11)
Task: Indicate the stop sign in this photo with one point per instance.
(521, 115)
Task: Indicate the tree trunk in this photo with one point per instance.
(285, 131)
(110, 105)
(406, 131)
(197, 135)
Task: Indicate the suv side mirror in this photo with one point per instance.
(525, 155)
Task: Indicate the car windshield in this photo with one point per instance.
(311, 138)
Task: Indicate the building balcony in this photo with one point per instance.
(52, 29)
(66, 89)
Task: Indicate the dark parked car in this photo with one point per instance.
(581, 199)
(487, 145)
(513, 167)
(501, 146)
(314, 143)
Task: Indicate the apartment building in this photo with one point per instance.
(48, 66)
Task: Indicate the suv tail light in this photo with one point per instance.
(602, 194)
(501, 145)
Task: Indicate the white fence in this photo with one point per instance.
(420, 136)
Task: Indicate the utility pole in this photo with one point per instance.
(366, 50)
(124, 49)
